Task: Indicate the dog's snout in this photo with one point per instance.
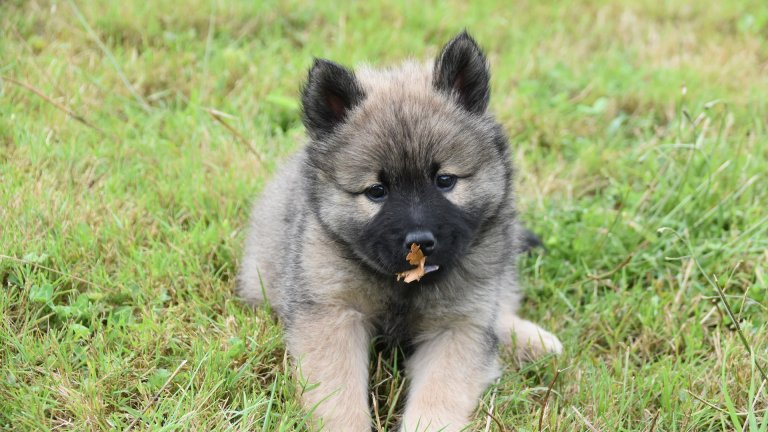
(425, 240)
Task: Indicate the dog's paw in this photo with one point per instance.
(537, 343)
(528, 339)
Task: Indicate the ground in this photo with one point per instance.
(134, 136)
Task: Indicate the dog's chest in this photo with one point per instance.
(400, 317)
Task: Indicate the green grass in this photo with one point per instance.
(640, 130)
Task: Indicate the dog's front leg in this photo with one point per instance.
(449, 372)
(330, 347)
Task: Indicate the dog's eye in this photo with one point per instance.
(445, 182)
(376, 192)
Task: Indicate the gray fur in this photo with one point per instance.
(308, 246)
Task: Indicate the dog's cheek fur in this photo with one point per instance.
(343, 213)
(483, 189)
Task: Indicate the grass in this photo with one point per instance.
(639, 129)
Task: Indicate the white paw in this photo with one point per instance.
(529, 340)
(537, 342)
(547, 343)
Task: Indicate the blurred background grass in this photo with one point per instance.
(639, 133)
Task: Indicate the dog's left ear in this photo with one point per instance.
(461, 71)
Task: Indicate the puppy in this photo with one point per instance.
(395, 157)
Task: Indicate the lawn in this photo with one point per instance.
(134, 136)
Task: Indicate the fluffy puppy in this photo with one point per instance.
(395, 157)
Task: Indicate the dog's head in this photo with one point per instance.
(406, 155)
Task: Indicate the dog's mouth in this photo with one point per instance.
(416, 258)
(428, 268)
(417, 274)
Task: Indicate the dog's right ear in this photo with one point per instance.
(330, 93)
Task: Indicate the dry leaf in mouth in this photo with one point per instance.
(415, 257)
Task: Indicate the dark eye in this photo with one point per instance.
(376, 192)
(445, 181)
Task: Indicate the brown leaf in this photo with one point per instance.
(415, 257)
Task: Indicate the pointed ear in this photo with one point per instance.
(330, 92)
(461, 71)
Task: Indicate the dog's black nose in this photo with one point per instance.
(425, 239)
